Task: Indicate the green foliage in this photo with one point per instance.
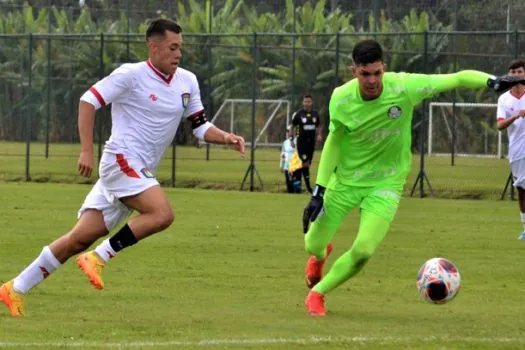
(315, 60)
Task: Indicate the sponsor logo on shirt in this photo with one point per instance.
(185, 99)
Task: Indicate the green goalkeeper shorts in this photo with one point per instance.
(340, 199)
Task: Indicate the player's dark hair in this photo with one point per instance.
(517, 64)
(160, 26)
(367, 51)
(308, 96)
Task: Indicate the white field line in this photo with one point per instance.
(265, 341)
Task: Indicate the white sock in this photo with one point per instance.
(105, 251)
(523, 220)
(35, 273)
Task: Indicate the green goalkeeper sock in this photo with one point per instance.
(372, 230)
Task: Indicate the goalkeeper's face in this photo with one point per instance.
(370, 77)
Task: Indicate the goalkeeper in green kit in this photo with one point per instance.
(366, 159)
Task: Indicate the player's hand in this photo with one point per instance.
(314, 207)
(505, 82)
(521, 113)
(237, 142)
(85, 163)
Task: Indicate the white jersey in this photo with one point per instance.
(508, 106)
(147, 107)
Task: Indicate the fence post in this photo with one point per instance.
(29, 118)
(422, 177)
(48, 92)
(254, 97)
(337, 49)
(516, 44)
(209, 90)
(251, 169)
(454, 98)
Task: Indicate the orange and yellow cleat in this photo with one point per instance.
(314, 268)
(92, 265)
(12, 299)
(315, 304)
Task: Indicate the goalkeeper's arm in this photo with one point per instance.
(472, 79)
(330, 157)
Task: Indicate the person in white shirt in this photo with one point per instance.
(148, 100)
(511, 111)
(293, 181)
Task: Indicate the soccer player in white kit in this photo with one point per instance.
(511, 111)
(148, 99)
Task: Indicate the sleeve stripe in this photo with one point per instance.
(500, 119)
(98, 96)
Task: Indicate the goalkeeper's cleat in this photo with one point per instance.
(12, 299)
(522, 236)
(314, 268)
(92, 265)
(314, 304)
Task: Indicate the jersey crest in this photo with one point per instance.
(185, 99)
(394, 112)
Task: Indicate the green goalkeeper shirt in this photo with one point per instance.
(369, 142)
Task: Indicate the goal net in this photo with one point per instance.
(271, 119)
(474, 127)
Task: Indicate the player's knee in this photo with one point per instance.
(164, 218)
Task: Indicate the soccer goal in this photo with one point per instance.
(271, 119)
(475, 127)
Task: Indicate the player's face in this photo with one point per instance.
(165, 52)
(520, 72)
(307, 103)
(370, 77)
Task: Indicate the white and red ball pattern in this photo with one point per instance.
(438, 281)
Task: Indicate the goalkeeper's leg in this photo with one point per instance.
(337, 203)
(377, 212)
(372, 231)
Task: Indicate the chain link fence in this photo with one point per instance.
(43, 76)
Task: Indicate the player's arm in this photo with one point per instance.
(504, 122)
(202, 128)
(330, 157)
(319, 130)
(295, 124)
(421, 86)
(105, 91)
(86, 124)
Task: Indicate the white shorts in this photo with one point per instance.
(518, 172)
(119, 177)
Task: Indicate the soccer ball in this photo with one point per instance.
(438, 281)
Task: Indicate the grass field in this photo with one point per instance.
(475, 178)
(229, 275)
